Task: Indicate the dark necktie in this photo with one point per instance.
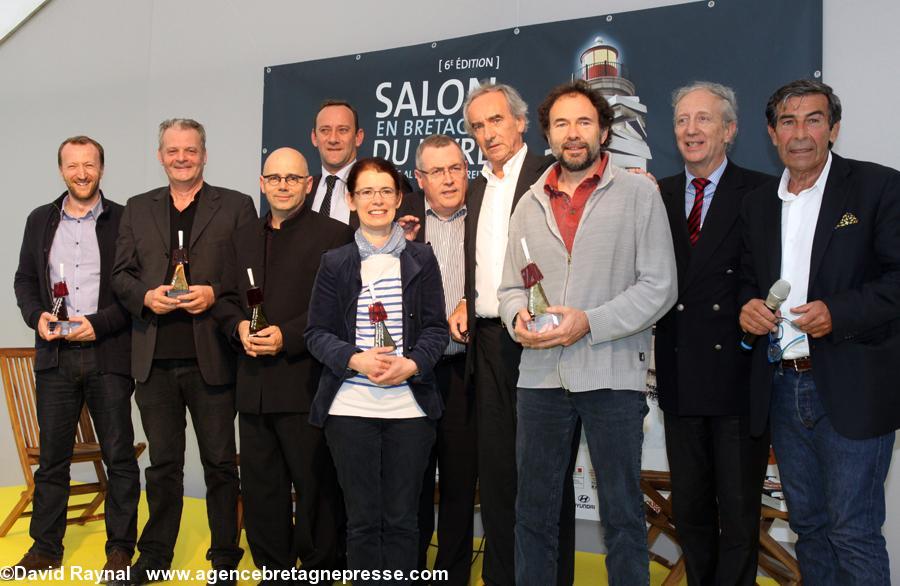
(325, 208)
(693, 219)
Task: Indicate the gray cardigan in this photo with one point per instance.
(621, 273)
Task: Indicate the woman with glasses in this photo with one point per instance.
(377, 323)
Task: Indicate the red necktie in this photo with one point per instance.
(693, 219)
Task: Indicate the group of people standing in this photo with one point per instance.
(399, 339)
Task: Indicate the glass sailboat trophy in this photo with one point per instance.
(377, 317)
(179, 279)
(541, 320)
(60, 323)
(258, 319)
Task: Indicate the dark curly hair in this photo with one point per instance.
(604, 110)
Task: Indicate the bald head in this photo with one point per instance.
(285, 181)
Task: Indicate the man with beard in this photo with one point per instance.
(601, 239)
(73, 240)
(180, 360)
(277, 377)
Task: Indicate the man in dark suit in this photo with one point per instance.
(277, 377)
(824, 379)
(179, 358)
(73, 240)
(337, 136)
(496, 116)
(440, 212)
(702, 374)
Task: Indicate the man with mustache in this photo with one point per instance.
(825, 378)
(73, 240)
(180, 360)
(601, 239)
(496, 117)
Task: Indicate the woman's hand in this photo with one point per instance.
(399, 369)
(372, 362)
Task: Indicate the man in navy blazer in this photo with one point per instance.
(702, 374)
(824, 367)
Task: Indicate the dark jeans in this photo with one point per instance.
(172, 386)
(717, 474)
(455, 452)
(496, 377)
(380, 464)
(61, 394)
(833, 485)
(281, 451)
(613, 425)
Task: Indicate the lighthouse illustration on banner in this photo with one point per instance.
(601, 67)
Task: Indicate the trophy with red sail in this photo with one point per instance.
(541, 320)
(377, 317)
(60, 323)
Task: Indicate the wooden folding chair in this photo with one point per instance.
(17, 369)
(777, 561)
(658, 508)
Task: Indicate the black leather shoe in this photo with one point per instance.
(224, 576)
(145, 571)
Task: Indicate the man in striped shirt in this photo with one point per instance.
(441, 212)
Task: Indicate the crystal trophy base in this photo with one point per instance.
(63, 328)
(543, 322)
(177, 292)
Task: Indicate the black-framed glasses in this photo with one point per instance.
(386, 193)
(275, 179)
(438, 173)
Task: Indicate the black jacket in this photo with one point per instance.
(855, 270)
(142, 261)
(700, 369)
(286, 382)
(111, 323)
(331, 333)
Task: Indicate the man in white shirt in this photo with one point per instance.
(824, 378)
(337, 135)
(496, 117)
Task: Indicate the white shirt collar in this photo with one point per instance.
(514, 162)
(818, 186)
(713, 178)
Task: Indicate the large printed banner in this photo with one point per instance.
(636, 59)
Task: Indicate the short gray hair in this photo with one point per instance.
(723, 92)
(517, 105)
(183, 124)
(435, 141)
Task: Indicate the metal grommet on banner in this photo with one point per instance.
(433, 45)
(609, 18)
(711, 3)
(358, 57)
(268, 70)
(516, 31)
(265, 150)
(817, 74)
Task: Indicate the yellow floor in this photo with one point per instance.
(84, 547)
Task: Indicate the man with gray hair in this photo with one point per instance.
(701, 373)
(180, 360)
(496, 116)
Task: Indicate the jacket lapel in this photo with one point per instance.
(833, 201)
(409, 268)
(673, 198)
(160, 212)
(206, 209)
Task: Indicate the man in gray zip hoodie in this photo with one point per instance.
(601, 239)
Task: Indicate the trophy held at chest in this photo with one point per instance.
(179, 279)
(258, 319)
(60, 323)
(541, 320)
(377, 317)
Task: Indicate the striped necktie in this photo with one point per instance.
(693, 219)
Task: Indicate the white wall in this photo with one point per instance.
(114, 69)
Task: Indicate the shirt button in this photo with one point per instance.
(715, 307)
(680, 307)
(718, 346)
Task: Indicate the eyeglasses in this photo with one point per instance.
(386, 193)
(291, 180)
(439, 173)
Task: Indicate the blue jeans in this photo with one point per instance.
(613, 424)
(834, 487)
(61, 392)
(380, 466)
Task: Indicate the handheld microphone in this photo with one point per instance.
(778, 294)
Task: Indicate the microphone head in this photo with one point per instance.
(778, 293)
